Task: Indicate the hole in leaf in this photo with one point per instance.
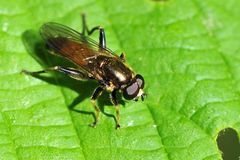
(229, 144)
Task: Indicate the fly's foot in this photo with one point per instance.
(118, 126)
(25, 72)
(32, 73)
(94, 124)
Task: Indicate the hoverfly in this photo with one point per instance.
(93, 61)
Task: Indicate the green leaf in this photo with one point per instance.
(188, 52)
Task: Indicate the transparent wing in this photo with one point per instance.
(74, 46)
(52, 30)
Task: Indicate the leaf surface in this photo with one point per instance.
(187, 51)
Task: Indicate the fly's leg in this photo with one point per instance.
(73, 73)
(98, 91)
(102, 38)
(123, 57)
(115, 102)
(85, 27)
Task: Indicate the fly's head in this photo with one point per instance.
(134, 89)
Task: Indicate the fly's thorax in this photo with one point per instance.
(116, 72)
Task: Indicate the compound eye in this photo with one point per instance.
(140, 81)
(131, 91)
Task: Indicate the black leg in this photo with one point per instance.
(98, 91)
(76, 74)
(115, 102)
(102, 38)
(123, 57)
